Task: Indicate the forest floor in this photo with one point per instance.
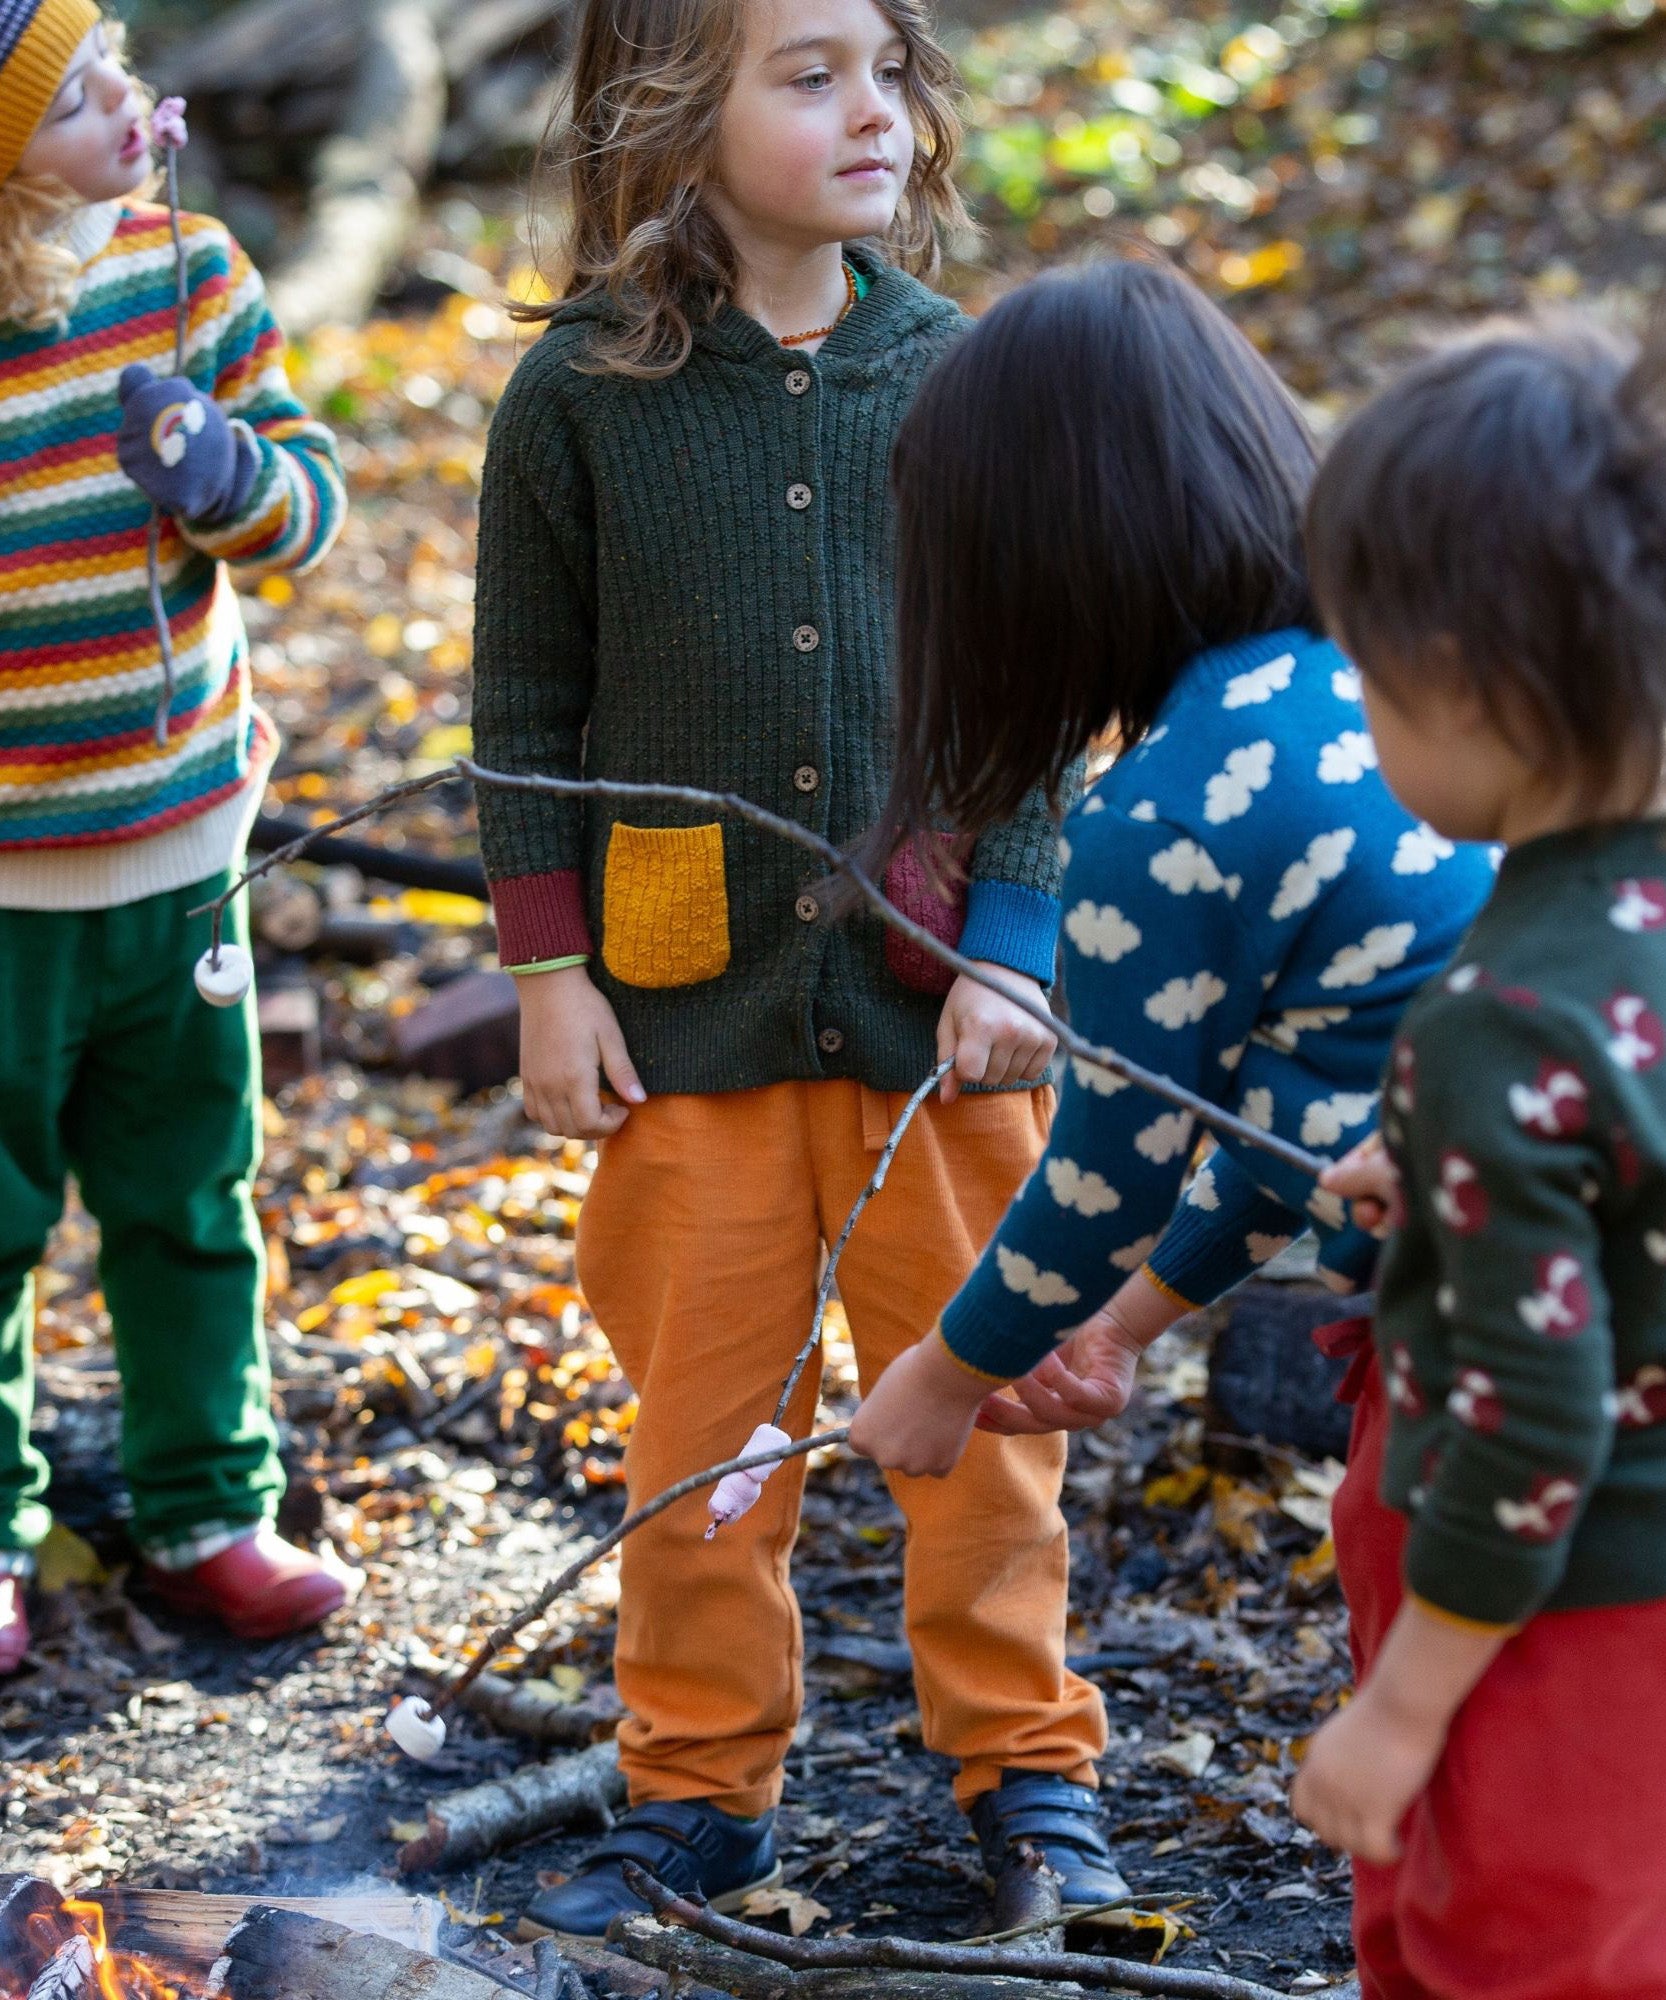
(451, 1420)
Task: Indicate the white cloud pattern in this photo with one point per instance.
(1420, 850)
(1263, 1249)
(1185, 866)
(1327, 1118)
(1086, 1193)
(1132, 1255)
(1230, 793)
(1100, 930)
(1102, 1082)
(1041, 1288)
(1203, 1193)
(1256, 1107)
(1260, 683)
(1166, 1138)
(1346, 684)
(1382, 948)
(1143, 809)
(1183, 1002)
(1326, 857)
(1347, 760)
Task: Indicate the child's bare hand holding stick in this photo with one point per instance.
(1366, 1178)
(993, 1042)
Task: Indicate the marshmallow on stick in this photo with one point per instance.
(737, 1493)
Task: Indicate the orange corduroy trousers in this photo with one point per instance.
(700, 1247)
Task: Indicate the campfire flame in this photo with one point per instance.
(118, 1975)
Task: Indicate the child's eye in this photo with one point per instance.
(892, 75)
(72, 110)
(815, 80)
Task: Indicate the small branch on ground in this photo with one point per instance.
(534, 1709)
(485, 1818)
(904, 1955)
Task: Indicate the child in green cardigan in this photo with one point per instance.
(1488, 539)
(685, 575)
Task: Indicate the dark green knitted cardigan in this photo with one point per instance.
(690, 580)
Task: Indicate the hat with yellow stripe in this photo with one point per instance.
(37, 40)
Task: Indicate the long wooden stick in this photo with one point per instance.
(905, 1955)
(729, 805)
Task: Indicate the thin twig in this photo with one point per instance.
(825, 1290)
(905, 1955)
(1072, 1918)
(495, 1641)
(153, 536)
(729, 805)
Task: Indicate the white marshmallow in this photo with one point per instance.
(414, 1726)
(225, 984)
(736, 1493)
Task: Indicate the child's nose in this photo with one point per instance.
(873, 111)
(113, 85)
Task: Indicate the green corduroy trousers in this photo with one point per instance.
(115, 1070)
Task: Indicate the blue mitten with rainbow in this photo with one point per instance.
(179, 448)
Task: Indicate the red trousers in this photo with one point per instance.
(1534, 1867)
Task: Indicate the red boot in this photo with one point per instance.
(259, 1588)
(14, 1626)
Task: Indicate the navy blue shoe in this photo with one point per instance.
(1061, 1822)
(688, 1844)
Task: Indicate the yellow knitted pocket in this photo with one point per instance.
(665, 905)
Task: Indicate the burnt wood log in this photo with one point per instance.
(30, 1930)
(70, 1974)
(283, 1954)
(406, 868)
(485, 1818)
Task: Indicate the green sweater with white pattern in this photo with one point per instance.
(1522, 1319)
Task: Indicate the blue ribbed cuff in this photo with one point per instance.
(1011, 925)
(1350, 1253)
(1199, 1257)
(1004, 1345)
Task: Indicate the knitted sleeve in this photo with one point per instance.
(1178, 997)
(534, 665)
(235, 352)
(1505, 1170)
(1012, 907)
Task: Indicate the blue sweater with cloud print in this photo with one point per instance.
(1247, 909)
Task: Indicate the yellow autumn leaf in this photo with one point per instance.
(366, 1289)
(1177, 1489)
(64, 1558)
(439, 906)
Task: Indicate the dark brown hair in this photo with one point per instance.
(1100, 480)
(1499, 515)
(632, 145)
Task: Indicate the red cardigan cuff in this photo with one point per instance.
(540, 917)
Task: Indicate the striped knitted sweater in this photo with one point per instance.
(80, 667)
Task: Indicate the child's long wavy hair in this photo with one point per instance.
(38, 270)
(633, 144)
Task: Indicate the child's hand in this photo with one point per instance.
(992, 1041)
(570, 1035)
(178, 447)
(1083, 1383)
(1367, 1178)
(918, 1417)
(1363, 1773)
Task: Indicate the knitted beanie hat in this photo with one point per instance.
(37, 39)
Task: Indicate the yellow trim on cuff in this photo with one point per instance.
(1457, 1619)
(549, 965)
(982, 1375)
(1168, 1291)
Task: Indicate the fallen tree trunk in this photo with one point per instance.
(282, 1955)
(487, 1817)
(406, 868)
(370, 173)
